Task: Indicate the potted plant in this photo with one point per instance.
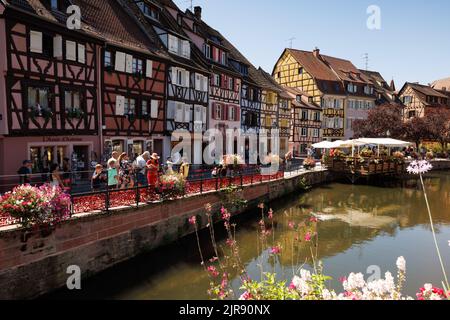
(309, 164)
(74, 113)
(172, 186)
(38, 111)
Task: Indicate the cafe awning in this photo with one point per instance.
(387, 142)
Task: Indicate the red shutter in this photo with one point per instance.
(236, 85)
(214, 110)
(238, 114)
(224, 112)
(215, 54)
(224, 77)
(212, 79)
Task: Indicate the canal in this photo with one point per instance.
(360, 226)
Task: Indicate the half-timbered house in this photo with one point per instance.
(305, 122)
(419, 99)
(225, 82)
(187, 74)
(48, 110)
(133, 78)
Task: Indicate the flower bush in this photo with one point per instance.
(172, 186)
(399, 157)
(337, 154)
(234, 160)
(366, 152)
(33, 206)
(309, 163)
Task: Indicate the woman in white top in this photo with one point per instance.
(56, 180)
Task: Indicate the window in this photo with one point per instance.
(75, 52)
(224, 58)
(411, 114)
(407, 99)
(352, 88)
(130, 106)
(316, 133)
(300, 70)
(149, 11)
(108, 59)
(304, 132)
(231, 113)
(137, 66)
(337, 103)
(195, 28)
(316, 116)
(180, 19)
(72, 100)
(38, 99)
(144, 108)
(230, 83)
(41, 43)
(47, 45)
(218, 112)
(304, 115)
(216, 79)
(207, 49)
(368, 90)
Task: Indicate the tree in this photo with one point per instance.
(416, 130)
(438, 125)
(380, 120)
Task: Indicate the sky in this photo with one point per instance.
(412, 44)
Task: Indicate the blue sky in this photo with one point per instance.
(412, 45)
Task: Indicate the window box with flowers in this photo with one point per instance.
(74, 113)
(40, 112)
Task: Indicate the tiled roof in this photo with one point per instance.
(346, 70)
(442, 83)
(110, 21)
(426, 90)
(304, 103)
(316, 67)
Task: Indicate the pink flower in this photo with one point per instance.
(275, 250)
(213, 271)
(291, 225)
(225, 214)
(313, 219)
(193, 220)
(270, 214)
(246, 296)
(308, 236)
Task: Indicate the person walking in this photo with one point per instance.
(24, 171)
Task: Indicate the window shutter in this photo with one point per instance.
(215, 54)
(198, 113)
(187, 113)
(205, 84)
(173, 43)
(223, 84)
(212, 79)
(186, 49)
(198, 81)
(36, 41)
(179, 112)
(238, 114)
(154, 109)
(57, 47)
(149, 70)
(120, 105)
(71, 48)
(120, 61)
(214, 111)
(236, 85)
(187, 79)
(81, 53)
(174, 75)
(225, 112)
(204, 114)
(129, 63)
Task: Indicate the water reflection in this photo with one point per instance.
(359, 226)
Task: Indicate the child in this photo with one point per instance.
(113, 175)
(97, 177)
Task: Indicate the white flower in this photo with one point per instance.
(301, 285)
(401, 264)
(419, 167)
(428, 286)
(354, 281)
(305, 275)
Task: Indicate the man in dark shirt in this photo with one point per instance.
(24, 171)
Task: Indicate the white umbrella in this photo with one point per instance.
(324, 145)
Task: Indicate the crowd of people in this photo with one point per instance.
(145, 170)
(119, 172)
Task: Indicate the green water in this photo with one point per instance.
(360, 226)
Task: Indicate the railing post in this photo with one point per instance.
(201, 184)
(107, 196)
(138, 194)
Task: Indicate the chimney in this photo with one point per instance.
(316, 52)
(198, 12)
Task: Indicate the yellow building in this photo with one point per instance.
(330, 82)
